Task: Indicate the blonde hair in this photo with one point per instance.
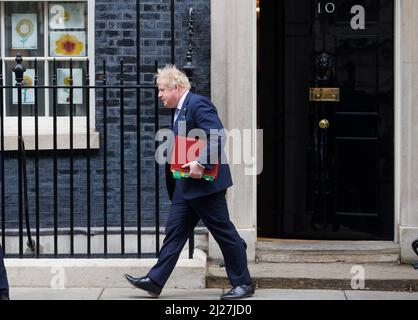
(173, 76)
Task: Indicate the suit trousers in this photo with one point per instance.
(3, 276)
(183, 218)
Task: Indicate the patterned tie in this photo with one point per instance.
(176, 114)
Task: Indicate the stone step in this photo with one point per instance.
(326, 276)
(101, 273)
(302, 251)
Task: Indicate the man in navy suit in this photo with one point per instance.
(4, 286)
(195, 198)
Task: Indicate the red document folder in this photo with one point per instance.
(187, 150)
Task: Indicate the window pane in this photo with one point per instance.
(28, 95)
(24, 29)
(67, 29)
(64, 94)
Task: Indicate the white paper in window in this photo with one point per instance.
(67, 44)
(66, 16)
(24, 31)
(63, 78)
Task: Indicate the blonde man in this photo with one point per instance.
(195, 198)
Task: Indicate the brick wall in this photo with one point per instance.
(115, 38)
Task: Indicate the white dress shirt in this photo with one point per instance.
(180, 105)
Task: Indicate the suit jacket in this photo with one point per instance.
(198, 112)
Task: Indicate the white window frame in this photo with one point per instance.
(46, 122)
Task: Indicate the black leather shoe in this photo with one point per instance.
(4, 295)
(146, 284)
(239, 292)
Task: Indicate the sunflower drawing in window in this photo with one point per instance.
(27, 82)
(66, 15)
(64, 80)
(65, 44)
(28, 95)
(24, 31)
(67, 83)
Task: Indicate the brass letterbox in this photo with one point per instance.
(324, 94)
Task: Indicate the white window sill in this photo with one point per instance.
(46, 141)
(46, 133)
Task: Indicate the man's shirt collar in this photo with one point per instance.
(182, 99)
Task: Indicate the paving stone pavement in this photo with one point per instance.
(201, 294)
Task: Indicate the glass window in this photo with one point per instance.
(67, 29)
(63, 76)
(24, 30)
(28, 95)
(46, 30)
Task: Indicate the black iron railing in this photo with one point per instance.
(33, 204)
(23, 199)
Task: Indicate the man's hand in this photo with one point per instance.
(196, 170)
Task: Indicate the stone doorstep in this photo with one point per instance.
(317, 251)
(291, 245)
(323, 276)
(101, 273)
(326, 257)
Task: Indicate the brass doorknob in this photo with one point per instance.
(324, 124)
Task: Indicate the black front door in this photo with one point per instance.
(326, 104)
